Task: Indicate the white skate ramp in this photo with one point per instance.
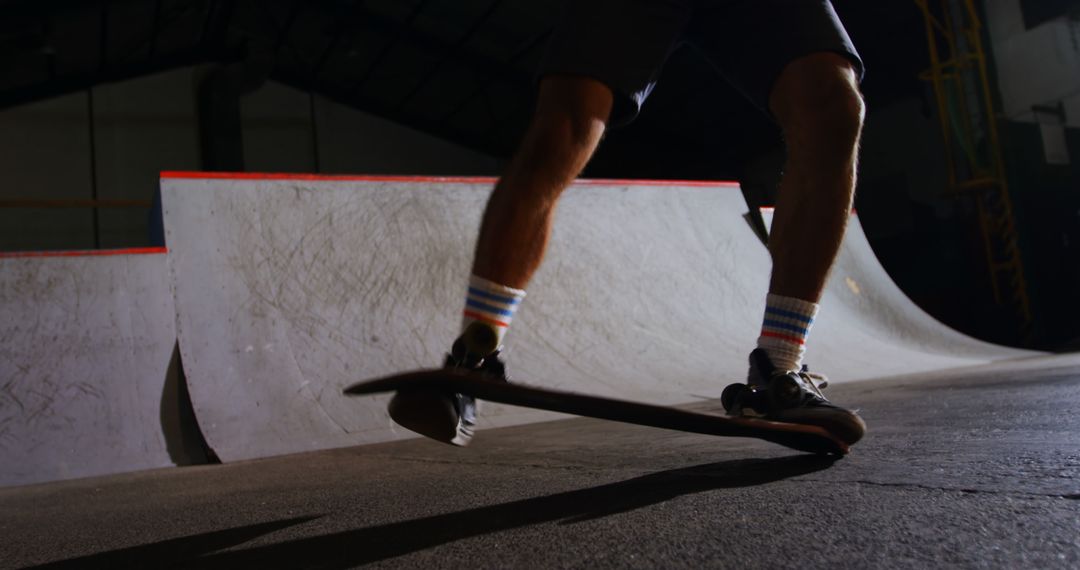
(86, 345)
(866, 322)
(288, 289)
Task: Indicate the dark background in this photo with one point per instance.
(462, 71)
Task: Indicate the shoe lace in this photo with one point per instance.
(813, 380)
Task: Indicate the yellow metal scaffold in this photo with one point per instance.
(972, 144)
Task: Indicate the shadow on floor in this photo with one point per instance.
(354, 547)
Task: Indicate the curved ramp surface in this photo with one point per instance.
(86, 348)
(288, 289)
(866, 323)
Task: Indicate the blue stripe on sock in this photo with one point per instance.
(493, 297)
(786, 326)
(488, 308)
(789, 314)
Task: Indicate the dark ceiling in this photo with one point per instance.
(458, 69)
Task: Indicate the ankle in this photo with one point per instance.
(785, 329)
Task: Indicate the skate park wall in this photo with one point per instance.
(864, 306)
(288, 288)
(87, 357)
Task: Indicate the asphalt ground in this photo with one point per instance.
(977, 468)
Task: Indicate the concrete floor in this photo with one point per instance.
(975, 468)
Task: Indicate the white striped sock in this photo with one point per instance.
(492, 304)
(785, 329)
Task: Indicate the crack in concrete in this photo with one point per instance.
(966, 490)
(582, 468)
(493, 464)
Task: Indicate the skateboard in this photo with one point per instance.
(796, 436)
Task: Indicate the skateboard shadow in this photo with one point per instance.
(371, 544)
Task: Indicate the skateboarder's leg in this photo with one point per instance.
(566, 128)
(817, 103)
(599, 68)
(569, 121)
(570, 118)
(818, 106)
(794, 61)
(803, 70)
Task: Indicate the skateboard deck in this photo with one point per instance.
(796, 436)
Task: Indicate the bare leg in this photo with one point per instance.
(570, 118)
(817, 103)
(571, 114)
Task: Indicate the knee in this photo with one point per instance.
(562, 134)
(555, 148)
(570, 118)
(817, 101)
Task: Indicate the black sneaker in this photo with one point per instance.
(793, 397)
(446, 417)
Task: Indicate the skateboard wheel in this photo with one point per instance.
(731, 394)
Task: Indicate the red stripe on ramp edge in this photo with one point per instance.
(86, 252)
(442, 179)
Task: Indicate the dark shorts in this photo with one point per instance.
(624, 43)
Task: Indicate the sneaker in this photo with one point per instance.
(793, 397)
(446, 417)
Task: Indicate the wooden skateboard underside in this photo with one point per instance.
(796, 436)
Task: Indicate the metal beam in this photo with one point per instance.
(283, 32)
(155, 31)
(103, 38)
(150, 40)
(208, 19)
(215, 28)
(403, 29)
(520, 53)
(48, 50)
(345, 96)
(480, 63)
(342, 24)
(76, 83)
(452, 52)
